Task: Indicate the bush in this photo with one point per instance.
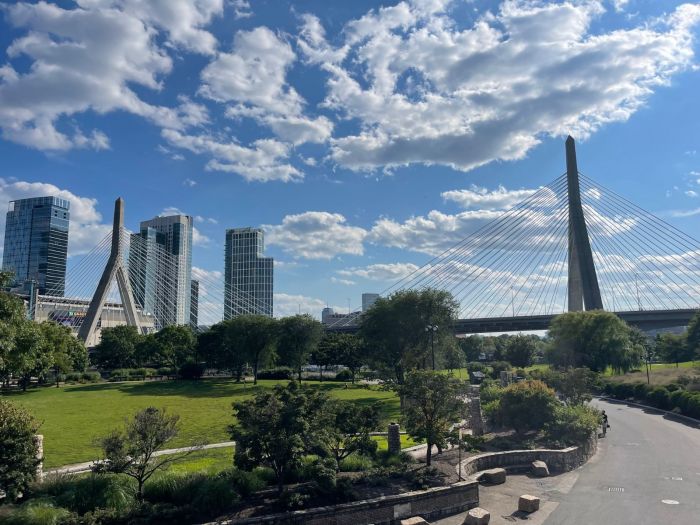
(497, 367)
(245, 483)
(191, 370)
(37, 512)
(659, 397)
(355, 463)
(120, 374)
(489, 393)
(281, 372)
(88, 493)
(323, 473)
(18, 449)
(208, 495)
(528, 405)
(167, 371)
(73, 377)
(343, 375)
(572, 425)
(92, 377)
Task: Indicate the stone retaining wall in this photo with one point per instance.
(430, 504)
(558, 461)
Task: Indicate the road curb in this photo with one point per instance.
(669, 413)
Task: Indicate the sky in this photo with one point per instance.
(365, 137)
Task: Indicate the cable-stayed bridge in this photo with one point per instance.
(572, 245)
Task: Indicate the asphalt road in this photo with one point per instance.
(647, 471)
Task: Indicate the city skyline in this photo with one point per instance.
(298, 150)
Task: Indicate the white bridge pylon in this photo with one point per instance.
(114, 270)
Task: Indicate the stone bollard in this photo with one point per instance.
(477, 516)
(494, 476)
(39, 440)
(394, 438)
(539, 469)
(415, 520)
(527, 503)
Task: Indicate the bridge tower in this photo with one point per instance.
(114, 269)
(583, 290)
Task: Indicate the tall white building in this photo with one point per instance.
(160, 268)
(368, 299)
(249, 275)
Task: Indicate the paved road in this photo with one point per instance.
(645, 464)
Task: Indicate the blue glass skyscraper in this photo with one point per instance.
(36, 243)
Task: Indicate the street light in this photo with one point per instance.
(431, 329)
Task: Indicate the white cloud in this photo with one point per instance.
(189, 182)
(619, 5)
(316, 235)
(424, 90)
(691, 193)
(266, 160)
(344, 282)
(241, 9)
(86, 226)
(203, 220)
(684, 213)
(289, 304)
(87, 59)
(198, 238)
(482, 198)
(381, 271)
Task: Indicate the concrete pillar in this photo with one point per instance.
(394, 438)
(583, 289)
(39, 440)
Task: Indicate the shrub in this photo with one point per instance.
(528, 405)
(572, 425)
(166, 371)
(92, 377)
(659, 397)
(119, 374)
(281, 372)
(88, 493)
(640, 390)
(18, 449)
(191, 370)
(323, 473)
(73, 377)
(343, 375)
(489, 393)
(245, 483)
(355, 463)
(498, 366)
(37, 512)
(208, 495)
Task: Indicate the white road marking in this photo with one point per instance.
(669, 501)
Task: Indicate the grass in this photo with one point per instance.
(660, 374)
(73, 416)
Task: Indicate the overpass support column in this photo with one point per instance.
(583, 290)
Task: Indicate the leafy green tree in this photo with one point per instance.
(12, 315)
(299, 337)
(472, 346)
(31, 355)
(693, 337)
(173, 346)
(69, 352)
(118, 348)
(527, 405)
(322, 357)
(595, 339)
(132, 451)
(520, 350)
(453, 357)
(18, 453)
(217, 346)
(431, 406)
(394, 330)
(278, 428)
(673, 348)
(573, 425)
(348, 349)
(347, 429)
(256, 337)
(574, 385)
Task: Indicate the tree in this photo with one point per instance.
(573, 384)
(520, 350)
(30, 355)
(394, 330)
(69, 352)
(527, 405)
(18, 453)
(673, 348)
(693, 337)
(173, 346)
(347, 429)
(432, 404)
(12, 315)
(322, 357)
(299, 337)
(277, 428)
(255, 336)
(595, 339)
(453, 356)
(349, 350)
(217, 346)
(132, 451)
(118, 348)
(472, 346)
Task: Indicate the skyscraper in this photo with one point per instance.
(248, 275)
(36, 242)
(160, 268)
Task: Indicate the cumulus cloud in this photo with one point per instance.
(292, 304)
(344, 282)
(381, 271)
(478, 197)
(316, 235)
(86, 228)
(424, 90)
(88, 59)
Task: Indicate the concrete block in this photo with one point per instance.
(528, 503)
(494, 476)
(415, 520)
(540, 469)
(477, 516)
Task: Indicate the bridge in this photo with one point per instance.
(571, 245)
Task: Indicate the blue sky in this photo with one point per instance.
(364, 136)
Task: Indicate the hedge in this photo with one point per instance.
(674, 398)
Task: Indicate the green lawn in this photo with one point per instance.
(72, 416)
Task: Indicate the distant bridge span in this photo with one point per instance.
(642, 319)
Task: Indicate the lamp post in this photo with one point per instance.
(459, 453)
(431, 329)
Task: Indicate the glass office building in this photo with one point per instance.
(36, 243)
(248, 275)
(160, 268)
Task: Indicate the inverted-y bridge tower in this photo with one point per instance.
(114, 269)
